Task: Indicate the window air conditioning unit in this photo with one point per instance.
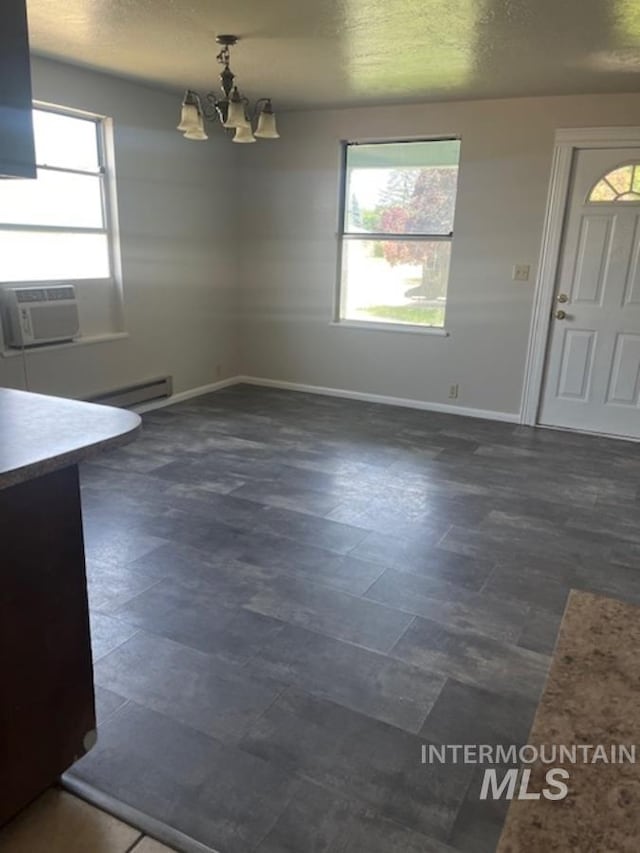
(41, 315)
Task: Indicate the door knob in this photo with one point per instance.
(561, 315)
(562, 297)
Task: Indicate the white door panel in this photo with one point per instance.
(624, 387)
(594, 245)
(632, 290)
(575, 367)
(593, 363)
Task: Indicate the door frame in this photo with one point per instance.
(567, 142)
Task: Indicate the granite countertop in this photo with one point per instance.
(592, 697)
(39, 433)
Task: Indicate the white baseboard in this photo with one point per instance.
(445, 408)
(402, 402)
(185, 395)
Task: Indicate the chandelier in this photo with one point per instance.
(233, 110)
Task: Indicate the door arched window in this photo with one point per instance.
(622, 184)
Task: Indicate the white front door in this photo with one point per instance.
(592, 379)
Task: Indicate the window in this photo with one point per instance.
(56, 227)
(399, 203)
(622, 184)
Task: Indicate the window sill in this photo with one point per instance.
(80, 342)
(406, 328)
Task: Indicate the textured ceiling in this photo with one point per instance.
(339, 52)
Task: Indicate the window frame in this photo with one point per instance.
(105, 174)
(342, 234)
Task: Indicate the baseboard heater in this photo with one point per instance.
(132, 395)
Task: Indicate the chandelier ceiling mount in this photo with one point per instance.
(233, 110)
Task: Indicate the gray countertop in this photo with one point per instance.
(39, 433)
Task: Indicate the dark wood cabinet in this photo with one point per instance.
(47, 715)
(17, 154)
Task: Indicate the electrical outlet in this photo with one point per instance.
(453, 392)
(521, 272)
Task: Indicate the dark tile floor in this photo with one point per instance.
(292, 593)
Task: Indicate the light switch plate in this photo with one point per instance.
(521, 272)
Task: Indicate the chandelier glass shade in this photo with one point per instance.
(233, 110)
(244, 134)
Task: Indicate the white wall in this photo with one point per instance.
(195, 311)
(177, 227)
(288, 267)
